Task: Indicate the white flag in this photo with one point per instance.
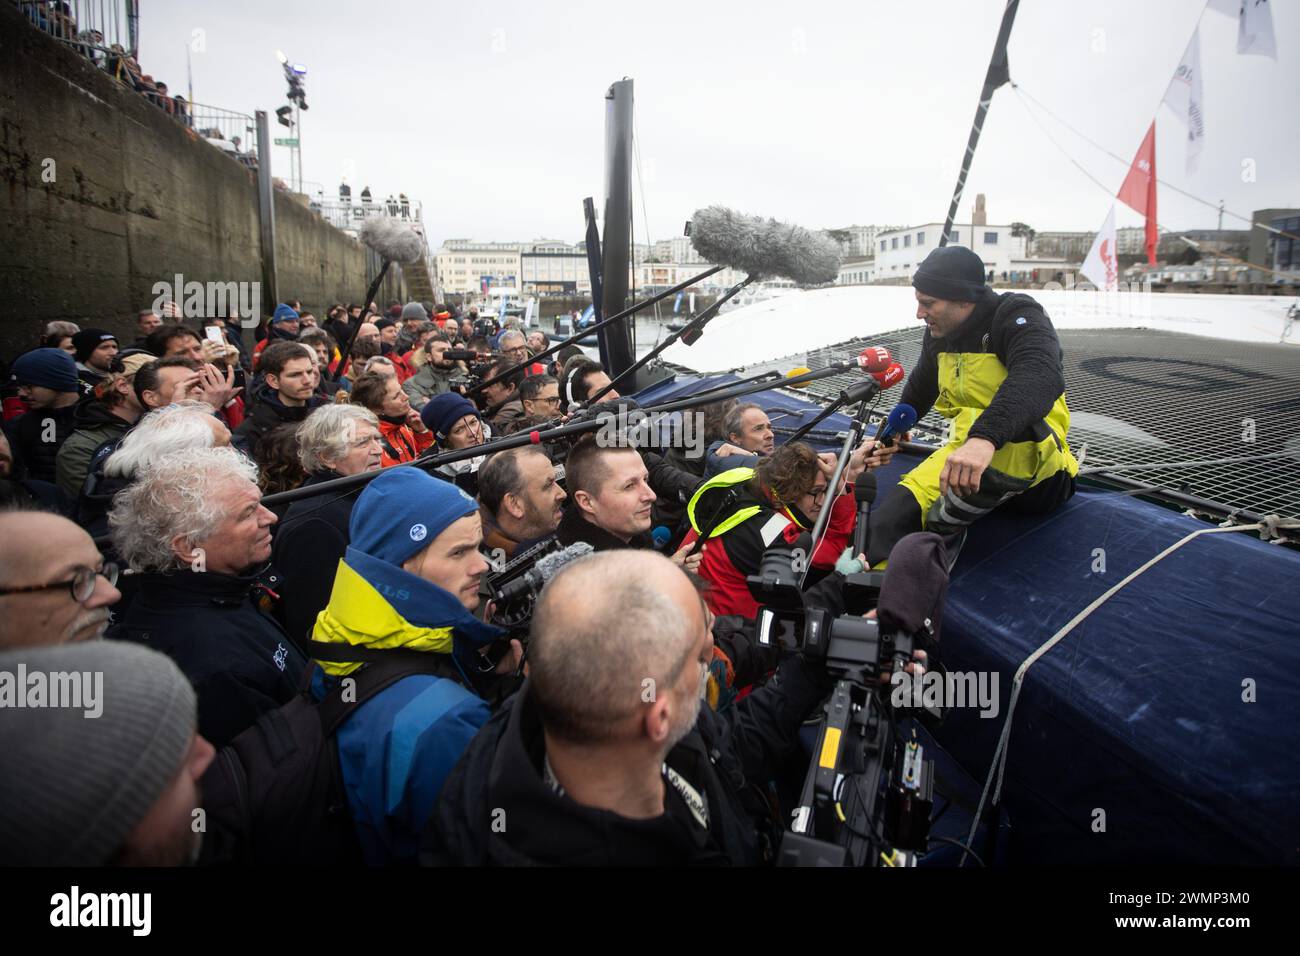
(1254, 25)
(1184, 97)
(1101, 268)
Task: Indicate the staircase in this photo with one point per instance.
(419, 285)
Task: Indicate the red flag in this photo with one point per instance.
(1139, 189)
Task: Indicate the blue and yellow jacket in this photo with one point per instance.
(397, 748)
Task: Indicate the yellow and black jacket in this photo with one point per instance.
(999, 377)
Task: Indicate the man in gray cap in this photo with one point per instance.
(991, 365)
(105, 771)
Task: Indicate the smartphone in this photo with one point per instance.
(213, 332)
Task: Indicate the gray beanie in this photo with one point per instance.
(76, 785)
(413, 310)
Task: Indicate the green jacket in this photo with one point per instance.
(94, 425)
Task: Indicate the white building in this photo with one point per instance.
(899, 251)
(678, 249)
(555, 269)
(861, 243)
(467, 267)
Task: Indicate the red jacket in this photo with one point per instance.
(400, 443)
(736, 553)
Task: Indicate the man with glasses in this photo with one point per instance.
(502, 397)
(54, 586)
(540, 396)
(607, 751)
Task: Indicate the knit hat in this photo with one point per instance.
(441, 413)
(87, 340)
(386, 322)
(402, 511)
(284, 313)
(80, 778)
(953, 273)
(413, 310)
(48, 368)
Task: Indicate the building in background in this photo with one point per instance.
(1279, 253)
(467, 267)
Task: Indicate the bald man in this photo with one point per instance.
(54, 585)
(605, 757)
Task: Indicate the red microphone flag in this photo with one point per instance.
(1139, 189)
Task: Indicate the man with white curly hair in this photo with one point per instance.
(193, 528)
(161, 432)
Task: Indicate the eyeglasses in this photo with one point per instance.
(81, 586)
(818, 493)
(553, 400)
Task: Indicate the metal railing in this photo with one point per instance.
(350, 214)
(232, 132)
(101, 30)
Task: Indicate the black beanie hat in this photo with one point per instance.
(87, 340)
(951, 272)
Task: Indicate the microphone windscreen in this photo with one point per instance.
(890, 377)
(796, 372)
(764, 247)
(900, 420)
(875, 359)
(661, 537)
(393, 241)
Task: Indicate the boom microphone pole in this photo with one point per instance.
(754, 245)
(519, 439)
(394, 243)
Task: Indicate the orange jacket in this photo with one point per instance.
(401, 443)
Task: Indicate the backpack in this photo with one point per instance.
(274, 795)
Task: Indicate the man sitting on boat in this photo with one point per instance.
(991, 365)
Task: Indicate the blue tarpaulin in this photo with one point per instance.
(1165, 727)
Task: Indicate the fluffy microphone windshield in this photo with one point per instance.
(764, 247)
(393, 241)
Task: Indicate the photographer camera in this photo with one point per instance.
(841, 819)
(606, 756)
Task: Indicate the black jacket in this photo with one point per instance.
(1015, 328)
(238, 659)
(727, 759)
(574, 527)
(309, 542)
(39, 447)
(268, 413)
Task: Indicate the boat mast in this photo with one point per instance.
(998, 73)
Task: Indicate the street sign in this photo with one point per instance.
(293, 141)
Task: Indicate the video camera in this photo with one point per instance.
(841, 819)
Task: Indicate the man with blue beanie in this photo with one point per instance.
(407, 582)
(47, 381)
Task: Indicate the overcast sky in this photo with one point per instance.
(822, 113)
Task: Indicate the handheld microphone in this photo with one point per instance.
(764, 247)
(899, 421)
(535, 578)
(875, 359)
(890, 376)
(864, 493)
(661, 537)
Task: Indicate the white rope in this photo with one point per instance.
(1000, 753)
